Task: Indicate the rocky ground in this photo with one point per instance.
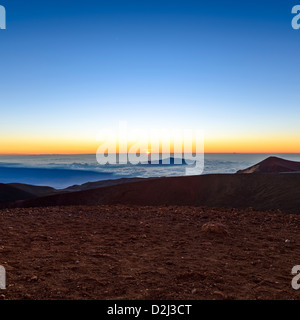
(134, 252)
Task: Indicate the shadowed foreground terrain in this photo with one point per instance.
(233, 236)
(130, 252)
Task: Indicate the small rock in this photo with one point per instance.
(207, 243)
(220, 294)
(215, 227)
(194, 291)
(2, 297)
(287, 242)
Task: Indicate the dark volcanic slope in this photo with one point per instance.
(16, 191)
(36, 191)
(10, 193)
(259, 191)
(273, 165)
(101, 184)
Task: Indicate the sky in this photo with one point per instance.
(71, 68)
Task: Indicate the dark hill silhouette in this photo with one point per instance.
(273, 165)
(11, 192)
(14, 192)
(259, 191)
(101, 184)
(36, 191)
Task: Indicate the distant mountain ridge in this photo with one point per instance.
(264, 191)
(259, 191)
(101, 184)
(169, 161)
(11, 192)
(273, 165)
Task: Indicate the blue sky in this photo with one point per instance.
(228, 67)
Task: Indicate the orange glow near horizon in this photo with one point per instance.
(36, 145)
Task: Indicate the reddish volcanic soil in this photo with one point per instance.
(128, 252)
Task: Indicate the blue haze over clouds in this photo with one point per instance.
(61, 171)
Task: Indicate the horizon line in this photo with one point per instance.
(82, 154)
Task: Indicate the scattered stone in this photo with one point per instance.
(206, 243)
(287, 242)
(220, 294)
(215, 227)
(205, 256)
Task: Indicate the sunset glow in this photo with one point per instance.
(258, 144)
